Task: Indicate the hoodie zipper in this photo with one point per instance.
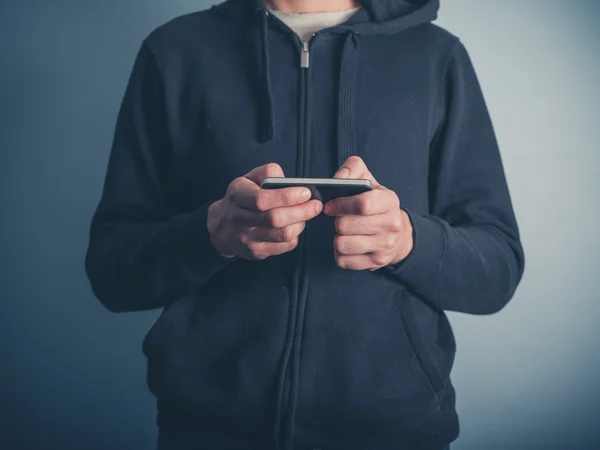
(305, 56)
(304, 125)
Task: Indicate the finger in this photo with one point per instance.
(275, 249)
(355, 245)
(355, 167)
(246, 218)
(368, 225)
(355, 262)
(277, 217)
(289, 215)
(285, 234)
(258, 174)
(263, 250)
(376, 201)
(248, 195)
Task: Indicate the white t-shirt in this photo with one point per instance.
(306, 24)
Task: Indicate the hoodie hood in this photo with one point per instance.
(402, 11)
(385, 17)
(376, 17)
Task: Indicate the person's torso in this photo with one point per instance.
(370, 355)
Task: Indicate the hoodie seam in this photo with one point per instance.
(441, 256)
(441, 96)
(162, 84)
(441, 90)
(155, 59)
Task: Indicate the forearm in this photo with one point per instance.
(466, 255)
(471, 268)
(139, 266)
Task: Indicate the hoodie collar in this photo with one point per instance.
(379, 16)
(376, 17)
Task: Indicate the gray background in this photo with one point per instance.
(72, 375)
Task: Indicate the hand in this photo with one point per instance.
(254, 223)
(372, 230)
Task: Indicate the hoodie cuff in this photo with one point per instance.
(425, 258)
(192, 249)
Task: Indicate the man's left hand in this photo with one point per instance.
(372, 230)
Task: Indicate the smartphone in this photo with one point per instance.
(324, 189)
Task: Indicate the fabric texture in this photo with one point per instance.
(293, 351)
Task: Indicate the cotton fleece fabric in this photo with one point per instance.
(293, 351)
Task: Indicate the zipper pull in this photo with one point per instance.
(305, 57)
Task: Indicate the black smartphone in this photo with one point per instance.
(324, 189)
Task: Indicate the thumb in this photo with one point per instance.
(355, 167)
(343, 172)
(265, 171)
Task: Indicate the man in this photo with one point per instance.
(289, 324)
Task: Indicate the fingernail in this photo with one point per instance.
(319, 207)
(342, 173)
(304, 194)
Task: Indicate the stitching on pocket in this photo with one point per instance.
(425, 363)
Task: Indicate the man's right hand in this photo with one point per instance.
(254, 223)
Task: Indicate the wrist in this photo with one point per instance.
(406, 240)
(213, 223)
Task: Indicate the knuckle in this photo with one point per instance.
(261, 201)
(235, 183)
(389, 242)
(272, 169)
(287, 234)
(234, 188)
(275, 219)
(288, 197)
(340, 225)
(355, 159)
(296, 230)
(245, 239)
(293, 243)
(365, 206)
(255, 251)
(259, 254)
(338, 244)
(379, 259)
(269, 218)
(338, 259)
(309, 211)
(396, 224)
(342, 262)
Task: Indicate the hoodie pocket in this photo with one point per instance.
(161, 326)
(167, 315)
(417, 342)
(213, 356)
(364, 365)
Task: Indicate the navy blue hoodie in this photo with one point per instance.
(293, 351)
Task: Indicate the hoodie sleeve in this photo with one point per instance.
(139, 256)
(467, 255)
